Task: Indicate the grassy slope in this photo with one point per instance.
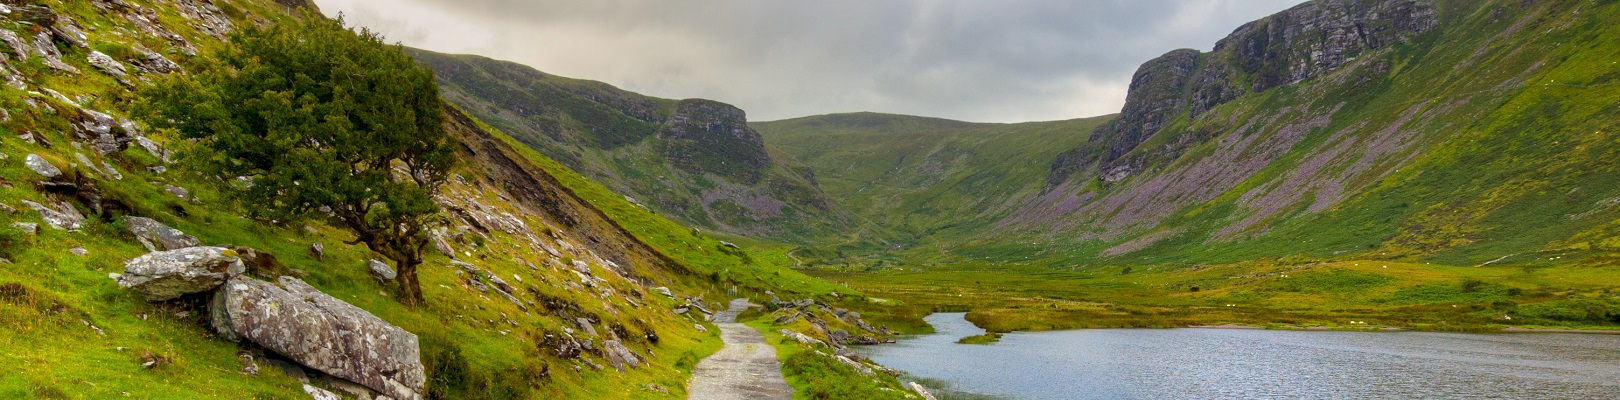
(475, 344)
(605, 133)
(1510, 166)
(918, 179)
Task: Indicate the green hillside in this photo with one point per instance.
(692, 160)
(530, 255)
(1458, 132)
(923, 180)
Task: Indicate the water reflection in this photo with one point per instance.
(1223, 363)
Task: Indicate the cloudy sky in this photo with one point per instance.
(975, 60)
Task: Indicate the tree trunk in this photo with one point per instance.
(410, 290)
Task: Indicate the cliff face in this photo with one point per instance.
(1304, 42)
(714, 137)
(694, 160)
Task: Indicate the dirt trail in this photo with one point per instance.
(746, 368)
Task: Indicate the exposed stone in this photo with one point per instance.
(177, 191)
(42, 167)
(159, 237)
(860, 368)
(27, 227)
(64, 216)
(18, 46)
(802, 338)
(108, 169)
(316, 393)
(107, 64)
(154, 148)
(317, 250)
(45, 49)
(922, 392)
(381, 271)
(620, 356)
(165, 275)
(664, 291)
(299, 322)
(79, 251)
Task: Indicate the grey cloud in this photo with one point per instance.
(995, 61)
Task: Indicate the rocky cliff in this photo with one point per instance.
(1302, 43)
(693, 160)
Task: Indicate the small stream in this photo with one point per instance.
(1241, 363)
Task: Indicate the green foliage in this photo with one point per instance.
(318, 117)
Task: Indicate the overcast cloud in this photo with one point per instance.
(975, 60)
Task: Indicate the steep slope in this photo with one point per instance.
(542, 284)
(1461, 132)
(694, 160)
(915, 177)
(1455, 131)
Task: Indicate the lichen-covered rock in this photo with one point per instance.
(620, 356)
(42, 167)
(64, 216)
(46, 50)
(164, 275)
(319, 331)
(381, 271)
(706, 136)
(159, 237)
(107, 64)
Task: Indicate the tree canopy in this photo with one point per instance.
(324, 121)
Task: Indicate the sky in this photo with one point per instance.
(971, 60)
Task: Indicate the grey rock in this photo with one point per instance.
(585, 325)
(159, 237)
(620, 356)
(319, 331)
(7, 208)
(664, 291)
(154, 148)
(381, 271)
(107, 64)
(802, 338)
(316, 393)
(177, 191)
(107, 168)
(19, 47)
(64, 216)
(860, 368)
(164, 275)
(920, 391)
(79, 251)
(45, 49)
(42, 167)
(318, 250)
(27, 227)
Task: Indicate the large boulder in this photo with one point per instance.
(164, 275)
(156, 236)
(42, 167)
(319, 331)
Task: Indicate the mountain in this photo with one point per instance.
(1462, 132)
(540, 283)
(693, 160)
(916, 178)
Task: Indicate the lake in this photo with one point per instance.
(1239, 363)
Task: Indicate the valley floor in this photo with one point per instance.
(1338, 295)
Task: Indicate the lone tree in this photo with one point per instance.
(322, 119)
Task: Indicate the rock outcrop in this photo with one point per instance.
(299, 322)
(714, 137)
(1304, 42)
(165, 275)
(159, 237)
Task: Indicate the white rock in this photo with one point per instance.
(41, 166)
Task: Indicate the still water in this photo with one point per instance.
(1242, 364)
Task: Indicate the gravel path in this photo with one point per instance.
(746, 368)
